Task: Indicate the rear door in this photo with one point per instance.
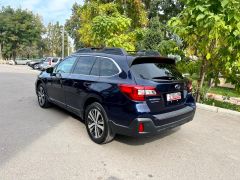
(80, 82)
(162, 74)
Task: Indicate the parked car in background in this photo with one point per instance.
(116, 93)
(19, 61)
(36, 63)
(49, 62)
(22, 61)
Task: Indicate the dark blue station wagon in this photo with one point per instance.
(118, 93)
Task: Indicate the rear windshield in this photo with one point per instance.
(156, 71)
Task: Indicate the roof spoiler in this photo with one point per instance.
(152, 59)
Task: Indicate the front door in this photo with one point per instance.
(59, 76)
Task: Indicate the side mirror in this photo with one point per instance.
(49, 70)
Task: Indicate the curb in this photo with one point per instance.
(217, 109)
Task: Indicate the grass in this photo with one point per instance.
(224, 91)
(221, 104)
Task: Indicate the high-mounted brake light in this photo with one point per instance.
(137, 93)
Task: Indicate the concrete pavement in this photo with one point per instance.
(51, 143)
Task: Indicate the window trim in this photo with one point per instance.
(119, 69)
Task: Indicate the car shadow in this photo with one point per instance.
(133, 141)
(138, 141)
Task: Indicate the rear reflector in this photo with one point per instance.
(137, 93)
(189, 86)
(140, 127)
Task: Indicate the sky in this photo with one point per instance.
(49, 10)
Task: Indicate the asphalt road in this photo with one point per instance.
(51, 143)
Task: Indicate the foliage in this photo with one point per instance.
(210, 30)
(112, 31)
(188, 66)
(18, 28)
(73, 25)
(159, 37)
(133, 9)
(224, 91)
(163, 9)
(221, 104)
(202, 92)
(53, 39)
(107, 23)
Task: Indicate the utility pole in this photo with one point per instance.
(1, 51)
(63, 42)
(125, 7)
(68, 45)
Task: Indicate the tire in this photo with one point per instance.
(42, 97)
(96, 117)
(35, 66)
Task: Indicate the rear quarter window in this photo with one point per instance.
(108, 67)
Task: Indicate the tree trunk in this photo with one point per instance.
(14, 55)
(201, 81)
(1, 52)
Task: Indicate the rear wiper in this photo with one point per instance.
(164, 77)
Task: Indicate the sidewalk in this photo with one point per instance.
(232, 100)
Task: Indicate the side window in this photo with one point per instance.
(108, 67)
(48, 59)
(95, 68)
(66, 65)
(84, 65)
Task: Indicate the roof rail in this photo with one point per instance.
(145, 53)
(87, 50)
(116, 51)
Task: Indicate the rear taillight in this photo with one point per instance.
(189, 86)
(137, 93)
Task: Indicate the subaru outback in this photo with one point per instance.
(115, 92)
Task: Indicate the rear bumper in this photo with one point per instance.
(166, 121)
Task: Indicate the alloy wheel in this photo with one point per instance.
(95, 123)
(41, 96)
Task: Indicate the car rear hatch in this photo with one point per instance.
(162, 74)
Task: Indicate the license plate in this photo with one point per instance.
(174, 96)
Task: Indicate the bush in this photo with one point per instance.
(221, 104)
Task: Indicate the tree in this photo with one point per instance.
(211, 30)
(73, 25)
(103, 15)
(163, 9)
(159, 37)
(17, 28)
(52, 41)
(112, 31)
(133, 9)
